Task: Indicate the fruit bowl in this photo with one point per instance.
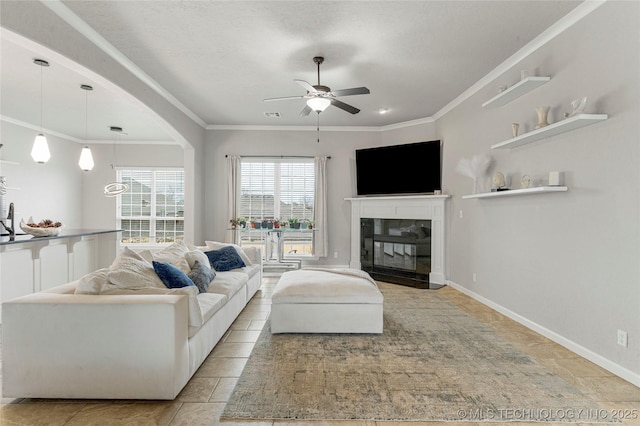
(44, 228)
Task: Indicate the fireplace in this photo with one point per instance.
(396, 250)
(400, 239)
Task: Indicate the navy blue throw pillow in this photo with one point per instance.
(225, 259)
(171, 276)
(201, 275)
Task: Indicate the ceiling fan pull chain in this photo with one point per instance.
(318, 127)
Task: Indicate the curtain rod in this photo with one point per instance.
(277, 156)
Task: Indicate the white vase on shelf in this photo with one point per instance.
(542, 112)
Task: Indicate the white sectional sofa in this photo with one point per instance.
(118, 343)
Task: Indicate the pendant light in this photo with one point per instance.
(115, 188)
(40, 151)
(86, 159)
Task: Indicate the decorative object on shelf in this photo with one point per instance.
(40, 151)
(577, 107)
(115, 188)
(555, 178)
(502, 88)
(44, 228)
(514, 129)
(3, 202)
(474, 168)
(562, 126)
(499, 182)
(542, 112)
(524, 74)
(437, 192)
(525, 182)
(86, 159)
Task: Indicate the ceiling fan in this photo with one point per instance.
(319, 97)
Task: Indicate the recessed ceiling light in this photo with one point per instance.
(383, 110)
(272, 114)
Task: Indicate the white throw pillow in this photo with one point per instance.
(174, 254)
(130, 270)
(194, 255)
(214, 245)
(195, 315)
(93, 282)
(171, 252)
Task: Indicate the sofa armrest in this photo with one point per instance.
(87, 346)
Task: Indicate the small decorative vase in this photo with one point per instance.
(542, 116)
(514, 128)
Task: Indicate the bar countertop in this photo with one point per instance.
(22, 238)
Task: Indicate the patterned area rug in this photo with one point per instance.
(433, 362)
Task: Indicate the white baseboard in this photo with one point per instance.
(603, 362)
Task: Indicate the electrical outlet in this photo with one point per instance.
(460, 214)
(335, 254)
(622, 338)
(474, 277)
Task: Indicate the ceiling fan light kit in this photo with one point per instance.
(320, 97)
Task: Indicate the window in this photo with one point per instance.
(152, 210)
(279, 189)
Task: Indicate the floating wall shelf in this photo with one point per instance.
(13, 163)
(563, 126)
(515, 91)
(513, 192)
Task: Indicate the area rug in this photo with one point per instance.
(434, 362)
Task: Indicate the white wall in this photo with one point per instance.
(340, 145)
(566, 263)
(46, 191)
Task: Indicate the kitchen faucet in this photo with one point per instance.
(11, 217)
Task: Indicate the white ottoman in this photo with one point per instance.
(326, 301)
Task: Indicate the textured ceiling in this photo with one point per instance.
(222, 58)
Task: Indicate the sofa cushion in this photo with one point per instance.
(130, 270)
(171, 276)
(194, 255)
(195, 314)
(210, 303)
(227, 283)
(250, 270)
(225, 259)
(201, 275)
(174, 254)
(214, 245)
(93, 282)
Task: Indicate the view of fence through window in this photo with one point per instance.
(152, 210)
(277, 193)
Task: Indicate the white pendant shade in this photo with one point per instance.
(86, 159)
(318, 104)
(40, 151)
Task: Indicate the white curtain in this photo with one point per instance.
(321, 237)
(233, 193)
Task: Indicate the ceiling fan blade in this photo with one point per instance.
(346, 107)
(352, 91)
(309, 88)
(305, 111)
(283, 99)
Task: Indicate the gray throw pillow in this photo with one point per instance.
(201, 275)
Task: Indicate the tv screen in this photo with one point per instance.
(399, 169)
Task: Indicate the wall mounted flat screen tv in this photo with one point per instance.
(413, 168)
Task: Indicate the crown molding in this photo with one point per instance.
(45, 131)
(57, 7)
(543, 38)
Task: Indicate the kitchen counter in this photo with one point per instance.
(21, 238)
(31, 264)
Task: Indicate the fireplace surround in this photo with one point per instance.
(404, 214)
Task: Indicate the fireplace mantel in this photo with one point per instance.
(426, 207)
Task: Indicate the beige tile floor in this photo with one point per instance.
(202, 400)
